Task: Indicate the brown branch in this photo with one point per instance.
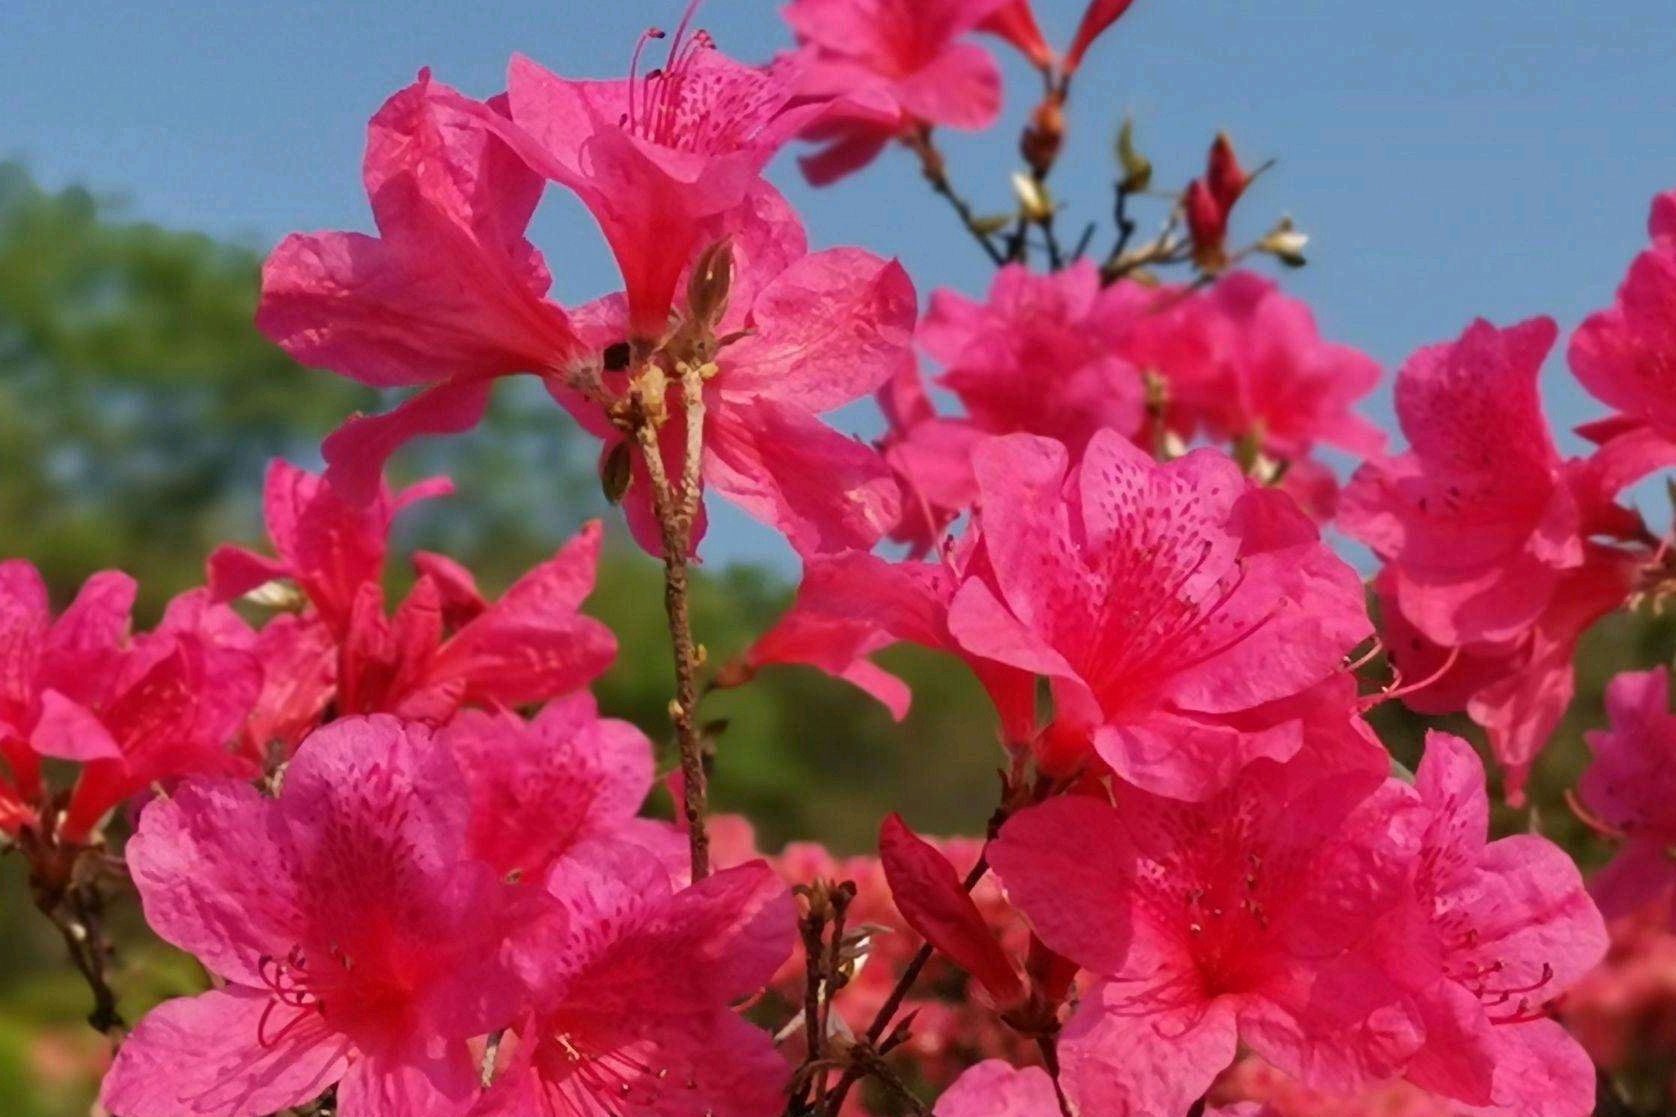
(936, 173)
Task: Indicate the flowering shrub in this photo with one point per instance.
(425, 877)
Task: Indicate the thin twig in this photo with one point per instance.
(936, 173)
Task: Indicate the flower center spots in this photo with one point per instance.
(1508, 998)
(698, 102)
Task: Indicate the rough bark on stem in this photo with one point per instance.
(676, 513)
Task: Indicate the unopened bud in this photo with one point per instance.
(278, 595)
(1286, 244)
(1137, 168)
(1043, 136)
(711, 282)
(1225, 177)
(615, 472)
(1033, 197)
(1207, 223)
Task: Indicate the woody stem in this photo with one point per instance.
(676, 511)
(936, 173)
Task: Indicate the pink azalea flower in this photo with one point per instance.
(1481, 519)
(542, 788)
(893, 65)
(1517, 689)
(1175, 608)
(56, 667)
(1040, 356)
(633, 985)
(356, 943)
(931, 456)
(659, 158)
(1015, 22)
(851, 606)
(819, 331)
(994, 1088)
(449, 296)
(444, 648)
(1268, 376)
(1631, 789)
(1624, 356)
(173, 707)
(1099, 15)
(327, 545)
(1250, 918)
(1510, 927)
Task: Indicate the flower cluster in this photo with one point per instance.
(411, 854)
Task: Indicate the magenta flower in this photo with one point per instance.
(1251, 918)
(56, 668)
(814, 331)
(1630, 788)
(172, 707)
(1626, 357)
(659, 158)
(994, 1088)
(891, 65)
(329, 546)
(1268, 376)
(633, 985)
(1517, 689)
(1042, 355)
(449, 295)
(542, 788)
(444, 648)
(1175, 608)
(1510, 927)
(357, 944)
(1481, 519)
(931, 456)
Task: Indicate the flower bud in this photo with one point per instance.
(615, 471)
(1207, 224)
(1044, 135)
(1033, 197)
(1137, 168)
(1286, 244)
(1224, 176)
(710, 284)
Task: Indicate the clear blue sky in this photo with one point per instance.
(1449, 157)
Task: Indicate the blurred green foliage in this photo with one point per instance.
(138, 408)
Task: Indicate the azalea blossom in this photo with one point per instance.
(52, 667)
(994, 1088)
(1628, 789)
(660, 158)
(542, 788)
(1509, 927)
(444, 648)
(1248, 918)
(801, 334)
(1041, 355)
(1174, 607)
(595, 1041)
(931, 456)
(355, 942)
(448, 297)
(891, 66)
(1625, 355)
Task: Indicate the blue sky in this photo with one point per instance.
(1450, 159)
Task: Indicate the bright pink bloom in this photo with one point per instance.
(1265, 374)
(850, 606)
(444, 648)
(1624, 1010)
(327, 545)
(1626, 357)
(1481, 520)
(994, 1088)
(892, 65)
(1249, 918)
(1015, 22)
(1172, 606)
(1040, 356)
(357, 944)
(1631, 788)
(1509, 927)
(1516, 689)
(1267, 1092)
(659, 159)
(1100, 15)
(820, 330)
(927, 891)
(57, 667)
(450, 295)
(173, 708)
(542, 788)
(633, 985)
(931, 456)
